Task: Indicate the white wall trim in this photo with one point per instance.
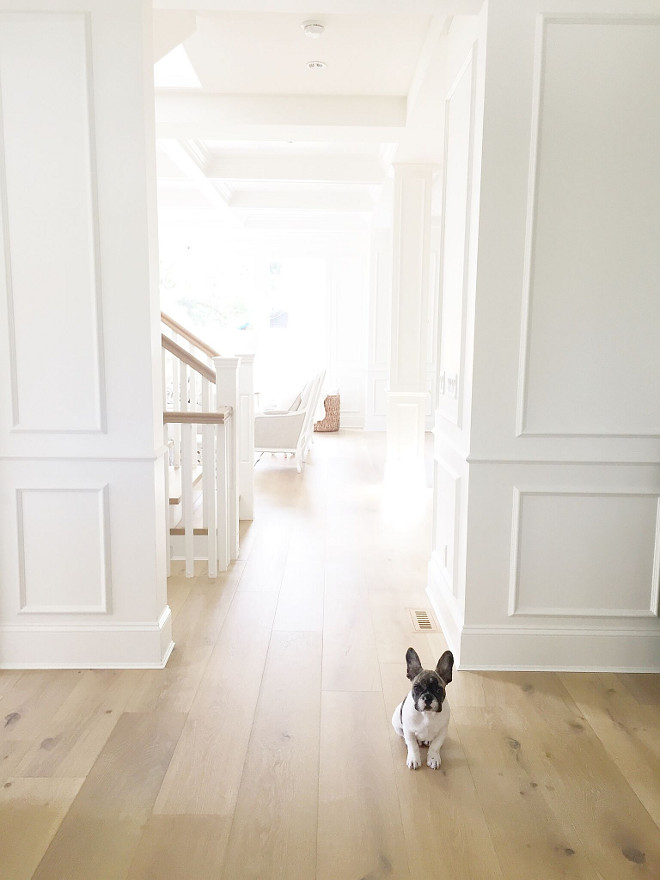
(103, 645)
(514, 609)
(9, 284)
(445, 605)
(104, 604)
(159, 452)
(451, 389)
(561, 462)
(531, 215)
(551, 649)
(96, 300)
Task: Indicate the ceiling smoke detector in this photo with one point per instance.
(312, 29)
(316, 65)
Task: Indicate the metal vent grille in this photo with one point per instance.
(423, 620)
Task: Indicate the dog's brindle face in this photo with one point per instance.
(428, 686)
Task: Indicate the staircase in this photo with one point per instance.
(208, 426)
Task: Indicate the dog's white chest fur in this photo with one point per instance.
(425, 725)
(417, 728)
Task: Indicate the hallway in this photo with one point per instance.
(264, 750)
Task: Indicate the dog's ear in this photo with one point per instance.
(414, 666)
(445, 666)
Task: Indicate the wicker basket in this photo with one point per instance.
(331, 420)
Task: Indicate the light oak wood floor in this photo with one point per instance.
(265, 750)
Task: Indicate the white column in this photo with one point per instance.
(227, 370)
(82, 484)
(546, 535)
(245, 434)
(380, 316)
(408, 396)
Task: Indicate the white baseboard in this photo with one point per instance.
(139, 645)
(536, 647)
(554, 649)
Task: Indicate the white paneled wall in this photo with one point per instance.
(82, 555)
(547, 533)
(348, 306)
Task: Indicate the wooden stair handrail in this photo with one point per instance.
(197, 418)
(185, 356)
(190, 337)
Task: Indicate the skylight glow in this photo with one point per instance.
(175, 71)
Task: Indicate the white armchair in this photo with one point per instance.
(290, 431)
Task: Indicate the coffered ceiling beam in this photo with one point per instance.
(189, 158)
(370, 118)
(329, 7)
(340, 168)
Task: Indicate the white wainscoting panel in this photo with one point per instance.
(459, 130)
(585, 555)
(50, 222)
(591, 312)
(64, 557)
(447, 519)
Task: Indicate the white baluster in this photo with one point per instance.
(187, 433)
(168, 543)
(223, 494)
(177, 406)
(183, 386)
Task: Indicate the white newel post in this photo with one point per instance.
(245, 434)
(82, 476)
(226, 394)
(408, 396)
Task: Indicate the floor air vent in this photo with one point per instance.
(423, 620)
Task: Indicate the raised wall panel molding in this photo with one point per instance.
(447, 484)
(64, 550)
(550, 395)
(48, 167)
(594, 556)
(452, 325)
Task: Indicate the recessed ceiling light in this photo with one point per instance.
(312, 29)
(316, 65)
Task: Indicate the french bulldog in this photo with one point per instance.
(423, 716)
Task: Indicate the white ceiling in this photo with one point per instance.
(265, 142)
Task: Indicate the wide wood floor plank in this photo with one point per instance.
(29, 705)
(31, 811)
(525, 831)
(556, 747)
(79, 729)
(102, 829)
(195, 631)
(630, 733)
(181, 848)
(274, 828)
(205, 773)
(645, 687)
(360, 831)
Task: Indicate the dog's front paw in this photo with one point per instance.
(413, 761)
(434, 761)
